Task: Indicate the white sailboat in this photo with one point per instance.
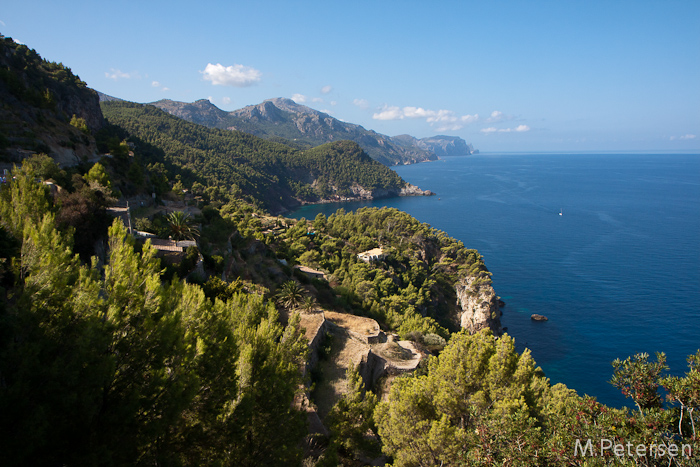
(561, 213)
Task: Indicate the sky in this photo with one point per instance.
(504, 75)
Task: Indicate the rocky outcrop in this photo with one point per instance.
(446, 146)
(358, 192)
(479, 306)
(201, 112)
(377, 193)
(412, 190)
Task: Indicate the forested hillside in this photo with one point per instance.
(273, 175)
(45, 107)
(105, 364)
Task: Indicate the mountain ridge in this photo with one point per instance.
(280, 118)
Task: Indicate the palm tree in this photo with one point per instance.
(308, 304)
(291, 294)
(181, 227)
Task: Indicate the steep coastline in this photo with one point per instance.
(479, 305)
(363, 194)
(407, 190)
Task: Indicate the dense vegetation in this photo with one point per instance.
(104, 363)
(34, 80)
(482, 403)
(107, 357)
(269, 174)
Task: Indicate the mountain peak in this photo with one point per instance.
(201, 111)
(288, 105)
(204, 103)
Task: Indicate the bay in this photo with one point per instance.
(607, 246)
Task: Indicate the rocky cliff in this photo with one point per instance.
(441, 145)
(479, 305)
(201, 112)
(377, 193)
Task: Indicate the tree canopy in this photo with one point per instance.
(108, 364)
(270, 174)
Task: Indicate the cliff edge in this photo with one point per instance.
(479, 306)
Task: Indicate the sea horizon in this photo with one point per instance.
(597, 151)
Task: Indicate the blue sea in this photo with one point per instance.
(617, 273)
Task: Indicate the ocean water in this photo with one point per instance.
(617, 273)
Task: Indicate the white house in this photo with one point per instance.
(375, 254)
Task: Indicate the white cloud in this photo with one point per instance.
(441, 116)
(448, 127)
(431, 116)
(334, 103)
(457, 123)
(389, 113)
(326, 89)
(236, 75)
(496, 116)
(517, 129)
(361, 103)
(299, 98)
(226, 100)
(447, 119)
(2, 23)
(684, 137)
(317, 99)
(156, 84)
(415, 112)
(118, 74)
